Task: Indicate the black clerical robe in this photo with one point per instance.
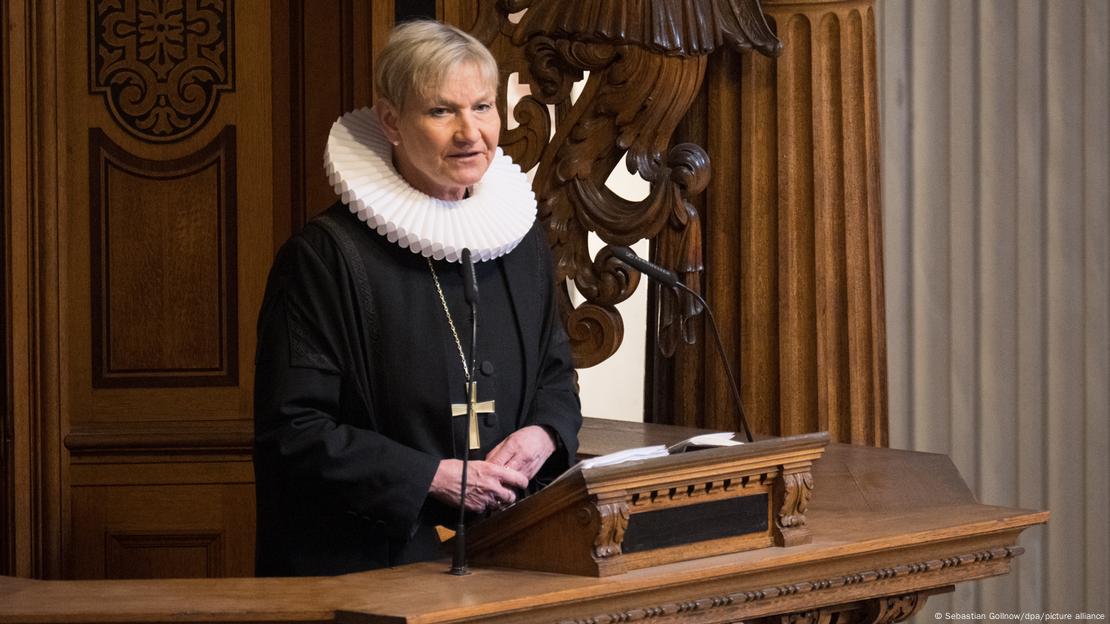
(356, 372)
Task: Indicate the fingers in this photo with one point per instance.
(494, 483)
(447, 481)
(489, 486)
(502, 453)
(524, 451)
(504, 477)
(524, 464)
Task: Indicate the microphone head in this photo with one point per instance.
(624, 254)
(470, 280)
(654, 271)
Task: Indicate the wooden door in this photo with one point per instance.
(165, 215)
(160, 153)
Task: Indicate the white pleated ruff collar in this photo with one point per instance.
(490, 222)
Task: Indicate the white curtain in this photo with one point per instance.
(996, 135)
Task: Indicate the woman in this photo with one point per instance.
(360, 363)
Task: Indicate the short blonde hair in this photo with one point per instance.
(421, 53)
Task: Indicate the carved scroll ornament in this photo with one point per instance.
(646, 60)
(161, 65)
(794, 489)
(893, 609)
(612, 521)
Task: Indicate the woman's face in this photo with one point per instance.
(444, 143)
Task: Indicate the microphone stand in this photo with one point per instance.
(721, 351)
(669, 278)
(470, 289)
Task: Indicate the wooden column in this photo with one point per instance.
(793, 235)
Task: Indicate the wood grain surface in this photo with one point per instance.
(871, 541)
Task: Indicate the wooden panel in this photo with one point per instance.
(164, 277)
(761, 334)
(32, 248)
(7, 489)
(199, 438)
(320, 55)
(168, 239)
(328, 46)
(147, 554)
(162, 531)
(157, 478)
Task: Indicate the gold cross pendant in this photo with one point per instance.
(471, 409)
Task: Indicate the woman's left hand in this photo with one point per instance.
(525, 450)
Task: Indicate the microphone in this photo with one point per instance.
(669, 278)
(470, 281)
(470, 293)
(650, 269)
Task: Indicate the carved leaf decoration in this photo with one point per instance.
(680, 247)
(798, 488)
(690, 28)
(592, 329)
(631, 103)
(612, 522)
(646, 60)
(525, 143)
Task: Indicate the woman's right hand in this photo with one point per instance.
(488, 486)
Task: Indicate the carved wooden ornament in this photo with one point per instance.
(794, 489)
(646, 60)
(612, 523)
(161, 65)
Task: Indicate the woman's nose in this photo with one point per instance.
(467, 129)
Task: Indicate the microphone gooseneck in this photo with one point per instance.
(470, 293)
(669, 278)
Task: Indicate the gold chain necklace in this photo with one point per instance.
(472, 407)
(450, 321)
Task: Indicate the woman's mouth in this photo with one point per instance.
(464, 155)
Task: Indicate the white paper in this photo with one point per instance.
(627, 455)
(725, 438)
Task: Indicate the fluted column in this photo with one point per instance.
(793, 232)
(810, 213)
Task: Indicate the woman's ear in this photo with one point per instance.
(390, 118)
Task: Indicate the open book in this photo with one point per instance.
(696, 443)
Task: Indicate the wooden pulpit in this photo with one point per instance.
(887, 529)
(605, 520)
